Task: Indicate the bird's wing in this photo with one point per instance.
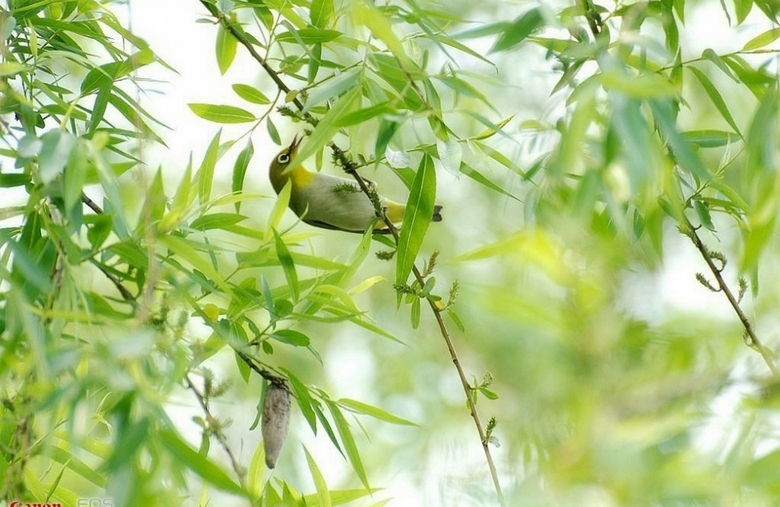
(333, 203)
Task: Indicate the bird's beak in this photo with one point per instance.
(293, 148)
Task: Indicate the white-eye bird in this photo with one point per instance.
(331, 202)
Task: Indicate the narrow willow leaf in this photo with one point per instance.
(365, 114)
(517, 32)
(363, 408)
(303, 398)
(643, 86)
(686, 157)
(256, 473)
(277, 212)
(380, 27)
(417, 217)
(205, 174)
(482, 180)
(239, 170)
(334, 87)
(288, 266)
(348, 441)
(321, 12)
(710, 138)
(251, 94)
(273, 133)
(198, 463)
(222, 113)
(415, 313)
(308, 36)
(186, 250)
(323, 495)
(761, 140)
(75, 175)
(715, 97)
(291, 337)
(742, 7)
(712, 56)
(762, 39)
(226, 49)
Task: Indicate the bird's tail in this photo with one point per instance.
(436, 213)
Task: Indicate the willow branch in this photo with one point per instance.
(350, 167)
(751, 340)
(215, 427)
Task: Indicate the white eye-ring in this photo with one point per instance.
(283, 158)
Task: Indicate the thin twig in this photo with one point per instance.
(754, 343)
(91, 204)
(215, 428)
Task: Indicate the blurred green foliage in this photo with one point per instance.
(548, 271)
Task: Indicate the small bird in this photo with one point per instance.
(328, 201)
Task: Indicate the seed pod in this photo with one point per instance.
(276, 420)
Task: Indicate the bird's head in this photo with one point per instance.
(280, 165)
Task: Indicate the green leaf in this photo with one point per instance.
(251, 94)
(348, 441)
(75, 175)
(710, 138)
(308, 36)
(686, 157)
(380, 27)
(482, 180)
(222, 113)
(520, 28)
(277, 212)
(761, 140)
(334, 87)
(288, 265)
(186, 250)
(323, 495)
(226, 49)
(715, 97)
(742, 8)
(303, 398)
(216, 221)
(362, 408)
(205, 174)
(417, 217)
(56, 146)
(273, 133)
(291, 337)
(239, 169)
(415, 312)
(321, 12)
(763, 39)
(365, 114)
(712, 56)
(198, 463)
(256, 473)
(643, 86)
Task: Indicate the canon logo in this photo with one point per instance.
(17, 503)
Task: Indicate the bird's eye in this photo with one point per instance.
(283, 158)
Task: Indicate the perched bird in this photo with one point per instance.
(328, 201)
